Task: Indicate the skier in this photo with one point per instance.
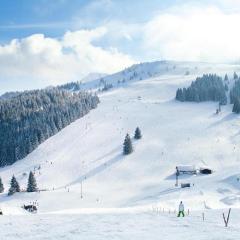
(181, 209)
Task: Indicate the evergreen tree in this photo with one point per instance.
(32, 185)
(127, 145)
(138, 134)
(226, 78)
(226, 87)
(235, 91)
(180, 94)
(235, 76)
(236, 106)
(209, 87)
(14, 186)
(29, 118)
(1, 186)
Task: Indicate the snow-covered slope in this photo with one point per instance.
(92, 77)
(146, 70)
(83, 167)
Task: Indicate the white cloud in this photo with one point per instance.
(38, 61)
(199, 32)
(193, 33)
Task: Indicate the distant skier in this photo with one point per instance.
(181, 209)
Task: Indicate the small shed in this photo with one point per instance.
(185, 185)
(186, 169)
(206, 170)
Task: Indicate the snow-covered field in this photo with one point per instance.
(92, 191)
(119, 226)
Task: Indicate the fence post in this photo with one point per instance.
(203, 216)
(227, 220)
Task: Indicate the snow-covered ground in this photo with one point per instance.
(120, 226)
(94, 191)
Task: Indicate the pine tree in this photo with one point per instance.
(14, 187)
(1, 186)
(226, 87)
(235, 76)
(127, 145)
(226, 78)
(32, 185)
(179, 95)
(138, 134)
(236, 106)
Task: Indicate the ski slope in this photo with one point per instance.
(82, 169)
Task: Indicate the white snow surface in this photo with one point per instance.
(95, 192)
(120, 226)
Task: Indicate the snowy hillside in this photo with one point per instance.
(174, 133)
(82, 169)
(147, 70)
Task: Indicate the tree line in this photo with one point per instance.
(31, 117)
(209, 87)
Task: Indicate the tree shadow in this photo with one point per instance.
(100, 168)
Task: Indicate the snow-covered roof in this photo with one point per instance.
(205, 167)
(186, 168)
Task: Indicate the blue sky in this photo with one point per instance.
(20, 18)
(49, 42)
